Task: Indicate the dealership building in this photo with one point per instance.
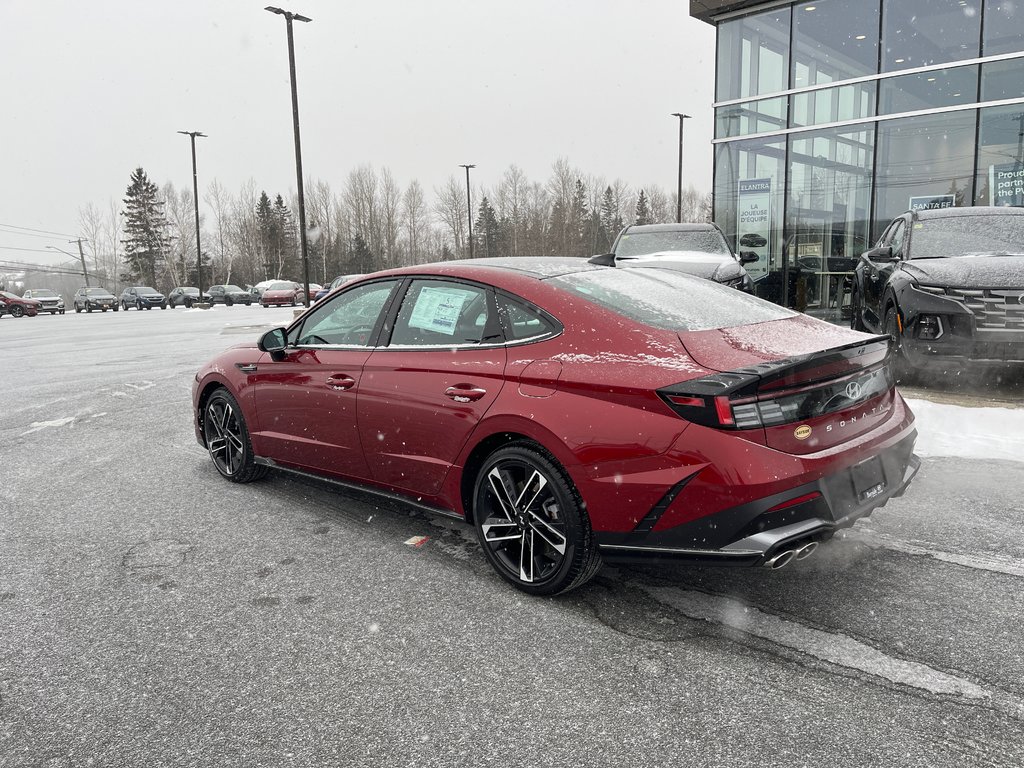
(834, 116)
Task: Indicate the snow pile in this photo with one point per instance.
(969, 433)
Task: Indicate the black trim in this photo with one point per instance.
(659, 509)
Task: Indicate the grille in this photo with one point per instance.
(991, 307)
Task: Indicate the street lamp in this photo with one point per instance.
(81, 257)
(195, 194)
(469, 208)
(679, 182)
(288, 17)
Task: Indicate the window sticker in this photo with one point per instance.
(438, 309)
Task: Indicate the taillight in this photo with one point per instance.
(732, 400)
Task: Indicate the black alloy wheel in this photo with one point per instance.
(901, 368)
(17, 310)
(531, 522)
(227, 439)
(228, 301)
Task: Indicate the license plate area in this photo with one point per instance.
(868, 479)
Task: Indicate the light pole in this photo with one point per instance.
(679, 180)
(288, 17)
(80, 257)
(469, 208)
(195, 194)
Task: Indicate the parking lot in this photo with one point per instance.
(153, 614)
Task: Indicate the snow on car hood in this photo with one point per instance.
(726, 349)
(973, 271)
(711, 266)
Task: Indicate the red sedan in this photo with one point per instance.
(572, 413)
(283, 293)
(15, 306)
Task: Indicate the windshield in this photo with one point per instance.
(190, 291)
(145, 289)
(671, 300)
(43, 292)
(281, 287)
(706, 241)
(953, 236)
(7, 295)
(98, 292)
(233, 289)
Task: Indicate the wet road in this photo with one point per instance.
(153, 614)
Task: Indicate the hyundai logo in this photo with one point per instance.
(854, 390)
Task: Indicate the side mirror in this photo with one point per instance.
(274, 342)
(882, 254)
(603, 260)
(748, 257)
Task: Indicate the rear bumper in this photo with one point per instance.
(753, 533)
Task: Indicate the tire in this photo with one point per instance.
(78, 309)
(542, 547)
(228, 301)
(901, 368)
(115, 308)
(88, 307)
(17, 311)
(188, 304)
(227, 439)
(54, 312)
(164, 305)
(62, 311)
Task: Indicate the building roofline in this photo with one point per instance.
(706, 10)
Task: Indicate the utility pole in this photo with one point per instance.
(81, 255)
(288, 17)
(679, 179)
(469, 209)
(195, 195)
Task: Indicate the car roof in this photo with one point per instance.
(971, 210)
(687, 227)
(539, 267)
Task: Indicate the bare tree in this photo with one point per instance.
(511, 199)
(220, 201)
(415, 222)
(390, 199)
(450, 207)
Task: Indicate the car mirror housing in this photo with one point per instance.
(882, 253)
(274, 341)
(748, 257)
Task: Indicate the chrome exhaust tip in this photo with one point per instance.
(806, 550)
(780, 560)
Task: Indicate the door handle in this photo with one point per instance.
(340, 382)
(465, 393)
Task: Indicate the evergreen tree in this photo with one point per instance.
(643, 211)
(145, 229)
(265, 227)
(611, 221)
(486, 230)
(361, 261)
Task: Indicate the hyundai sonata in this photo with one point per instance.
(573, 413)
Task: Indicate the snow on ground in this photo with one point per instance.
(969, 433)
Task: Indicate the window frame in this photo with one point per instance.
(294, 332)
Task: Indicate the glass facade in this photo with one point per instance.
(834, 116)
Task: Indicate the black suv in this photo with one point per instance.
(229, 294)
(142, 297)
(89, 299)
(948, 286)
(697, 249)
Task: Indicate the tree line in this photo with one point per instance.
(369, 223)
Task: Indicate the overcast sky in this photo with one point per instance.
(93, 90)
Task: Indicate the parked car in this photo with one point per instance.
(50, 301)
(282, 293)
(89, 299)
(573, 413)
(696, 249)
(257, 290)
(948, 286)
(339, 280)
(142, 297)
(15, 306)
(185, 296)
(229, 294)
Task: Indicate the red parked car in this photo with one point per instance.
(573, 413)
(15, 306)
(283, 293)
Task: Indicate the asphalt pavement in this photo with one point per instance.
(152, 614)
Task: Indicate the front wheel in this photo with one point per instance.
(227, 439)
(17, 311)
(901, 367)
(531, 522)
(228, 301)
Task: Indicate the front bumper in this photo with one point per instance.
(752, 533)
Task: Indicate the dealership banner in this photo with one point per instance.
(1006, 184)
(754, 223)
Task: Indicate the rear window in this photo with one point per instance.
(667, 299)
(703, 240)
